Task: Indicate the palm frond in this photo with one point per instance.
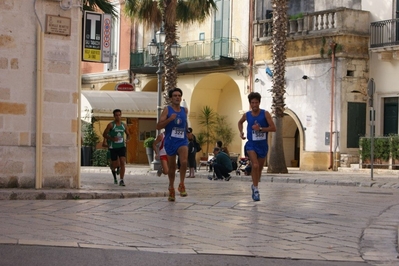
(103, 5)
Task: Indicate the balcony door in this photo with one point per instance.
(263, 9)
(221, 29)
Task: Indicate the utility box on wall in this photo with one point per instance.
(327, 139)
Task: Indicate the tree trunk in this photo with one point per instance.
(169, 60)
(276, 160)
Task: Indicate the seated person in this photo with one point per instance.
(222, 165)
(219, 144)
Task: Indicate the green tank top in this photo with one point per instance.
(117, 131)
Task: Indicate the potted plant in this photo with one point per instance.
(223, 130)
(201, 141)
(148, 149)
(296, 23)
(207, 119)
(90, 140)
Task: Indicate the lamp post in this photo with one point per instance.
(156, 47)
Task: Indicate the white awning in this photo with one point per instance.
(131, 103)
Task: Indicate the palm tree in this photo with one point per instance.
(167, 13)
(104, 5)
(279, 47)
(207, 119)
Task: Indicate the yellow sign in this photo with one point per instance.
(92, 55)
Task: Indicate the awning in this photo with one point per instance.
(131, 103)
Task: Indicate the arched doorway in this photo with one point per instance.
(222, 94)
(293, 138)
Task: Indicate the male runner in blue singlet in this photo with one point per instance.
(259, 123)
(174, 120)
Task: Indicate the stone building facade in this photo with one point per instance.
(39, 94)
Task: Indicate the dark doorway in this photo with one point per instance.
(356, 124)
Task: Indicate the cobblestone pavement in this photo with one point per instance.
(318, 216)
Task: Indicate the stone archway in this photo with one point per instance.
(293, 138)
(220, 92)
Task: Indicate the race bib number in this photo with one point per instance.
(177, 132)
(257, 135)
(120, 139)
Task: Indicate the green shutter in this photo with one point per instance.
(356, 125)
(390, 116)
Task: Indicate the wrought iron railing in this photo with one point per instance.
(197, 50)
(384, 33)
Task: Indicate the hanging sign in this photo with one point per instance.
(96, 37)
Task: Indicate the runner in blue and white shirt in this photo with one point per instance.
(259, 123)
(174, 120)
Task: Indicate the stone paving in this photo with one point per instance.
(334, 216)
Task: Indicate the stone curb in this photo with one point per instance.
(74, 195)
(84, 194)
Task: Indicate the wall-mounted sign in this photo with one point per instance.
(106, 38)
(58, 25)
(96, 37)
(124, 86)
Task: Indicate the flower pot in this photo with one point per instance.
(300, 25)
(150, 155)
(293, 26)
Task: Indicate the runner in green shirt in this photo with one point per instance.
(115, 133)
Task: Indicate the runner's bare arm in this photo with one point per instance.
(272, 126)
(240, 125)
(164, 120)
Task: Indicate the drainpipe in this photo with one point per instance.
(332, 46)
(79, 131)
(250, 44)
(39, 107)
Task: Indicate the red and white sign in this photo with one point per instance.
(106, 38)
(124, 86)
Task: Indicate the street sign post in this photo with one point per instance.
(370, 94)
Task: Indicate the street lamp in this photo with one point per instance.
(156, 47)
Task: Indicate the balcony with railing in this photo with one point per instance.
(384, 33)
(339, 20)
(194, 51)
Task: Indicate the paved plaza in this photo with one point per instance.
(328, 216)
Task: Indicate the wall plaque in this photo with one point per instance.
(58, 25)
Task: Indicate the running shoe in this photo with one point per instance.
(227, 178)
(121, 183)
(255, 193)
(182, 190)
(171, 194)
(159, 171)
